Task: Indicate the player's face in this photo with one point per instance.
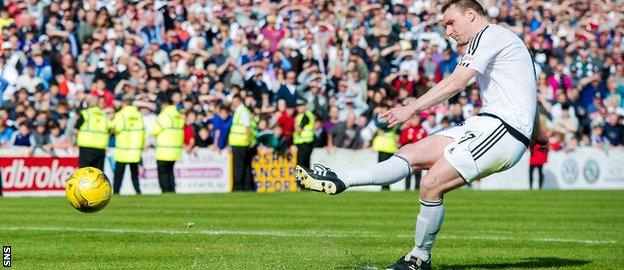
(456, 25)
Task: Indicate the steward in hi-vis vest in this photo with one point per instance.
(93, 133)
(169, 132)
(303, 137)
(241, 139)
(129, 133)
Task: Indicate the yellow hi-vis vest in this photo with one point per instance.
(169, 132)
(93, 132)
(386, 142)
(307, 132)
(238, 132)
(130, 135)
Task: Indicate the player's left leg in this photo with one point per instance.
(416, 156)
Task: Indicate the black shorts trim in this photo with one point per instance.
(514, 132)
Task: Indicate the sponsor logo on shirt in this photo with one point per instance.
(468, 58)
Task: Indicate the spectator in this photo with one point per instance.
(431, 125)
(411, 132)
(328, 126)
(614, 100)
(539, 157)
(614, 131)
(288, 91)
(286, 119)
(598, 138)
(6, 132)
(457, 115)
(40, 137)
(99, 91)
(320, 136)
(346, 134)
(264, 135)
(592, 89)
(58, 141)
(41, 67)
(29, 80)
(558, 82)
(22, 137)
(566, 125)
(203, 138)
(189, 131)
(555, 142)
(221, 127)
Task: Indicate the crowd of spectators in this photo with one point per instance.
(347, 59)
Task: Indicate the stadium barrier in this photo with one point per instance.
(514, 178)
(203, 171)
(38, 174)
(585, 168)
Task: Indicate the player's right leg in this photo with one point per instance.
(440, 178)
(485, 148)
(417, 156)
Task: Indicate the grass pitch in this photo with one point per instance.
(354, 230)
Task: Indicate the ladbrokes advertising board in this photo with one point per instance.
(31, 176)
(201, 172)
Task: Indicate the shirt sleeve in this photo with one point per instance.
(79, 122)
(304, 121)
(156, 127)
(483, 47)
(117, 124)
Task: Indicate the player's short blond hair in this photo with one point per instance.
(463, 5)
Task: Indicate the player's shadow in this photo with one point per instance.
(527, 263)
(533, 262)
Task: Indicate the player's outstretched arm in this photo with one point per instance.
(442, 91)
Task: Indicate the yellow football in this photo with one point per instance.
(88, 190)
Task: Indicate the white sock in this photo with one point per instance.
(428, 224)
(386, 172)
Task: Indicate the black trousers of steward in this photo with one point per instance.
(91, 157)
(120, 169)
(241, 163)
(166, 176)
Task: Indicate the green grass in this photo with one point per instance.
(482, 230)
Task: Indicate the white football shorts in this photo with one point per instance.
(483, 145)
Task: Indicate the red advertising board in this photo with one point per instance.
(36, 175)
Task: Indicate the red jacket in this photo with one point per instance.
(106, 95)
(189, 133)
(539, 155)
(399, 83)
(287, 122)
(556, 146)
(412, 133)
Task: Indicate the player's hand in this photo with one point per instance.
(398, 115)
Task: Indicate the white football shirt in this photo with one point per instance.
(506, 76)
